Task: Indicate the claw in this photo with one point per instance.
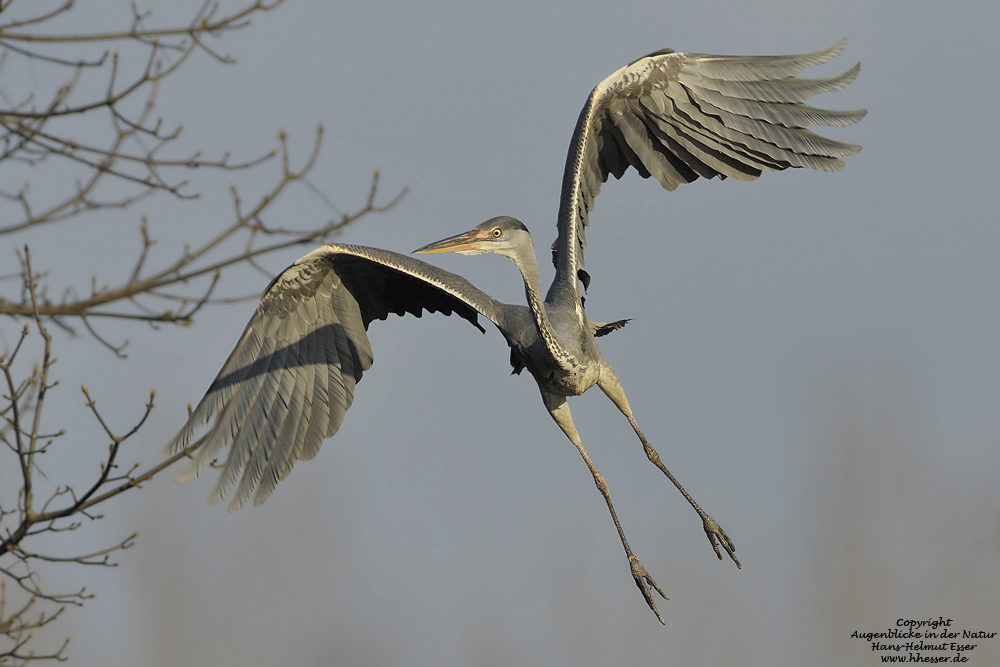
(713, 530)
(644, 581)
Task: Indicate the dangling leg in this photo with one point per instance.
(559, 409)
(612, 386)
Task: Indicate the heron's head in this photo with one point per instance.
(502, 235)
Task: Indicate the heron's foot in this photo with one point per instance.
(716, 536)
(644, 581)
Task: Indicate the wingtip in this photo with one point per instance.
(833, 51)
(175, 446)
(214, 498)
(236, 504)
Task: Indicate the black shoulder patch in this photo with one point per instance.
(661, 52)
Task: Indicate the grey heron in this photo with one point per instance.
(673, 116)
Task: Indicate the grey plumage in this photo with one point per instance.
(291, 378)
(672, 116)
(680, 116)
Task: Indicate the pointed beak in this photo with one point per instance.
(468, 242)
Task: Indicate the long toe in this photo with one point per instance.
(714, 532)
(644, 581)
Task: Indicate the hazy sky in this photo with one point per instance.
(814, 355)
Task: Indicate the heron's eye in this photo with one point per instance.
(497, 232)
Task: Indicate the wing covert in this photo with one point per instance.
(290, 379)
(679, 116)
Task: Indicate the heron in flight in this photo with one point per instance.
(672, 116)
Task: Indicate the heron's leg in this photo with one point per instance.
(610, 384)
(559, 409)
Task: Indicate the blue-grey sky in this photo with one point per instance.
(814, 355)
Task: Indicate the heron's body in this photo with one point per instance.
(672, 116)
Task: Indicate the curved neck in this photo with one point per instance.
(524, 258)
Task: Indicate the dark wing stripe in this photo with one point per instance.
(268, 458)
(714, 153)
(689, 120)
(262, 412)
(315, 426)
(612, 160)
(251, 458)
(649, 152)
(773, 140)
(290, 380)
(677, 116)
(617, 128)
(705, 158)
(798, 156)
(688, 167)
(790, 138)
(281, 464)
(699, 145)
(788, 115)
(344, 382)
(280, 427)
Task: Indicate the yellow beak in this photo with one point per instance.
(470, 241)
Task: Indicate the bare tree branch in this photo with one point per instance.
(129, 157)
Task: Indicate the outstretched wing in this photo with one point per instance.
(291, 378)
(678, 116)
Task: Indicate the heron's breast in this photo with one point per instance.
(579, 344)
(562, 383)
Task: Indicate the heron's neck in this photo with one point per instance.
(524, 258)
